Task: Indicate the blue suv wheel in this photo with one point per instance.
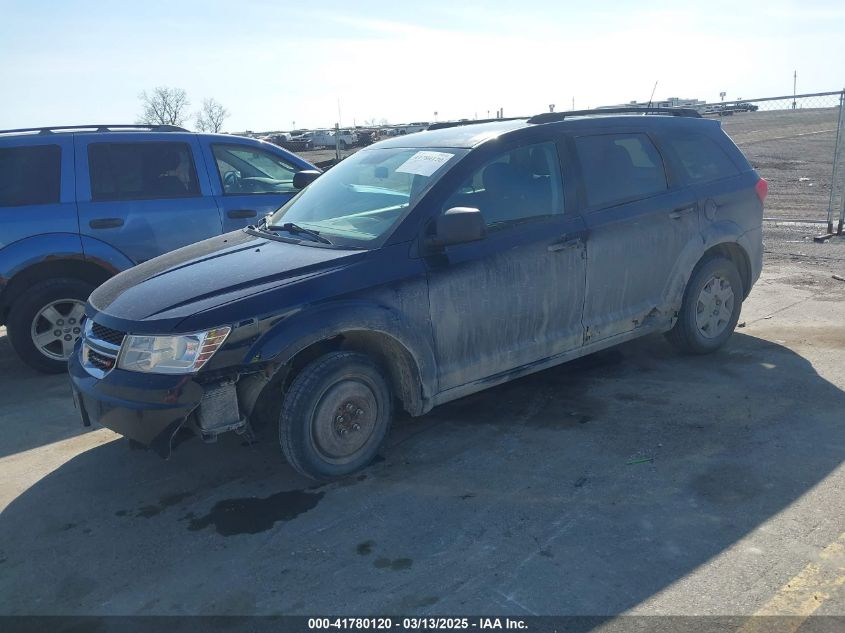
(45, 323)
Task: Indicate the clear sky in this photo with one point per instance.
(273, 63)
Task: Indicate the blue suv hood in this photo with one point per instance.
(158, 295)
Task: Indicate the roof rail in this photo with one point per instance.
(97, 128)
(549, 117)
(447, 124)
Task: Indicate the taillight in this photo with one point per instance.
(762, 189)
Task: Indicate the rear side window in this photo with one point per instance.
(619, 167)
(30, 175)
(141, 171)
(701, 158)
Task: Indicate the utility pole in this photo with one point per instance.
(337, 138)
(794, 84)
(573, 104)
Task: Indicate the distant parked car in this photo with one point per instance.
(286, 140)
(367, 136)
(328, 138)
(411, 128)
(80, 204)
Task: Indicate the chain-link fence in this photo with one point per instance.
(796, 144)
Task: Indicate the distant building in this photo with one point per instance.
(671, 102)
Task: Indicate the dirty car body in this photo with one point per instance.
(460, 258)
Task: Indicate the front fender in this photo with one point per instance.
(318, 323)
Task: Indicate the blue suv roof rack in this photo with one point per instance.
(549, 117)
(120, 127)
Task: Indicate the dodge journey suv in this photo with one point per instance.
(425, 268)
(79, 204)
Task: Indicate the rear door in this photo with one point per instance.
(638, 223)
(36, 187)
(144, 196)
(249, 180)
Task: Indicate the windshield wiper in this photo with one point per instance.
(295, 229)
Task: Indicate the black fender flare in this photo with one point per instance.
(314, 324)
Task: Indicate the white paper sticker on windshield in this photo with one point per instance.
(424, 163)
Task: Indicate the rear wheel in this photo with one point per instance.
(335, 416)
(711, 307)
(45, 323)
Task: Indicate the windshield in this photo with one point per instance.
(364, 197)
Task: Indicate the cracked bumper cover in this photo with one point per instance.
(148, 408)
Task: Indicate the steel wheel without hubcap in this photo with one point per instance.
(335, 415)
(714, 307)
(344, 420)
(56, 328)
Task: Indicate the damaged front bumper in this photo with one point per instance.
(151, 408)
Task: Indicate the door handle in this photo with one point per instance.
(566, 241)
(239, 214)
(679, 213)
(106, 223)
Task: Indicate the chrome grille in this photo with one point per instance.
(100, 348)
(100, 361)
(103, 333)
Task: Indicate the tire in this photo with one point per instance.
(342, 144)
(31, 317)
(329, 403)
(711, 307)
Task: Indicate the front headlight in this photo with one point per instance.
(181, 354)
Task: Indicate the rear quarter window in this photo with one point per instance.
(700, 158)
(30, 175)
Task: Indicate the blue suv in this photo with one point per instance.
(81, 204)
(425, 268)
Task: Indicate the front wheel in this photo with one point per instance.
(45, 322)
(335, 416)
(711, 307)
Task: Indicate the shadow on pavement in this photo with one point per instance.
(584, 489)
(37, 409)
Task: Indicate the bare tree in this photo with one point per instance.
(211, 117)
(164, 106)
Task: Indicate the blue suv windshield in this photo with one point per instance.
(359, 201)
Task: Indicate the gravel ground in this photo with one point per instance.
(793, 151)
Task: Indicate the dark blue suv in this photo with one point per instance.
(80, 204)
(425, 268)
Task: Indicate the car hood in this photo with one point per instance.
(154, 297)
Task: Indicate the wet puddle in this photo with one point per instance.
(251, 515)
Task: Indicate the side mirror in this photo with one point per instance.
(458, 226)
(302, 179)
